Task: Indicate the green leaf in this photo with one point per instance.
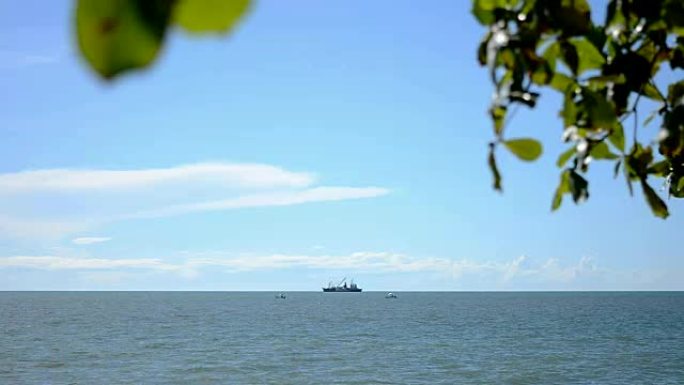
(560, 82)
(524, 148)
(118, 36)
(491, 160)
(483, 10)
(603, 80)
(675, 93)
(201, 16)
(563, 188)
(543, 74)
(551, 54)
(572, 16)
(660, 168)
(601, 151)
(601, 112)
(650, 91)
(579, 187)
(570, 57)
(498, 114)
(589, 58)
(617, 137)
(658, 207)
(650, 117)
(565, 156)
(569, 112)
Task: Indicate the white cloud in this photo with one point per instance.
(16, 59)
(89, 240)
(279, 198)
(52, 203)
(42, 229)
(227, 174)
(519, 273)
(68, 263)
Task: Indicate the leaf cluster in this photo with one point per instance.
(602, 71)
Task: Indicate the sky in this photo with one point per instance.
(320, 140)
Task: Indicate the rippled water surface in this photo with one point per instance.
(345, 338)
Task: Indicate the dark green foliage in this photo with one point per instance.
(602, 71)
(116, 36)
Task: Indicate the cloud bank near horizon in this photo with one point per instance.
(551, 273)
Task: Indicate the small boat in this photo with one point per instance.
(281, 296)
(390, 295)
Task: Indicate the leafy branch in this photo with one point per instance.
(598, 69)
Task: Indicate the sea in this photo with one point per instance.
(341, 338)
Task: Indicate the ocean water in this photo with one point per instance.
(341, 338)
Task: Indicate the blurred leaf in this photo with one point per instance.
(601, 151)
(494, 169)
(498, 114)
(616, 170)
(601, 112)
(603, 80)
(543, 74)
(650, 117)
(675, 93)
(572, 16)
(588, 57)
(658, 207)
(650, 91)
(200, 16)
(565, 156)
(483, 10)
(117, 36)
(560, 82)
(563, 188)
(617, 137)
(524, 148)
(569, 112)
(570, 56)
(661, 168)
(579, 187)
(674, 16)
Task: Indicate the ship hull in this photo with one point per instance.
(341, 290)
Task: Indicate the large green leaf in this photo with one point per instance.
(116, 36)
(524, 148)
(658, 207)
(201, 16)
(589, 58)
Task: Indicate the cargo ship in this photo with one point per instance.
(342, 287)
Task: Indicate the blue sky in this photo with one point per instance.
(320, 140)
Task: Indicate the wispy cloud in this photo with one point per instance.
(221, 174)
(89, 240)
(58, 202)
(10, 59)
(280, 198)
(67, 263)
